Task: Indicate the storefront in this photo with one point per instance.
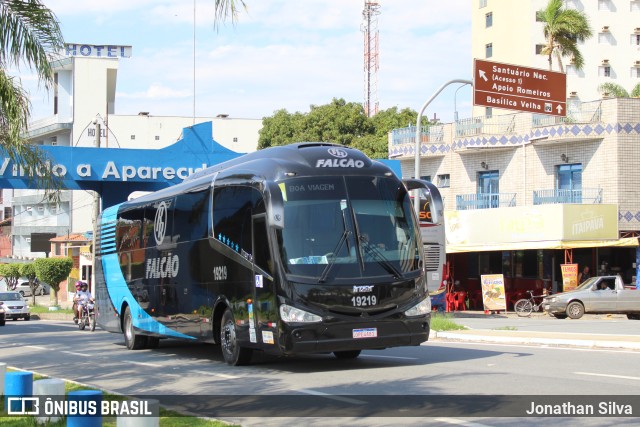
(528, 245)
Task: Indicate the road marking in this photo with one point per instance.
(76, 354)
(152, 365)
(330, 396)
(624, 377)
(486, 344)
(225, 376)
(37, 347)
(389, 357)
(459, 422)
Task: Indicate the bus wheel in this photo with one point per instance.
(131, 339)
(351, 354)
(231, 351)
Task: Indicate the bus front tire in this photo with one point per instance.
(131, 339)
(232, 353)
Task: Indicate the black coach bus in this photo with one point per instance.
(304, 248)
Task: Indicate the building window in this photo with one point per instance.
(539, 49)
(635, 39)
(488, 19)
(635, 5)
(571, 70)
(488, 190)
(605, 5)
(235, 139)
(426, 178)
(7, 212)
(488, 50)
(444, 181)
(604, 71)
(483, 3)
(133, 137)
(569, 177)
(157, 138)
(605, 38)
(635, 72)
(488, 112)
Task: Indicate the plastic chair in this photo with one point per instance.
(460, 303)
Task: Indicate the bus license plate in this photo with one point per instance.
(365, 333)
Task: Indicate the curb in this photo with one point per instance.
(515, 339)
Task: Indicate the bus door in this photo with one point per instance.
(265, 310)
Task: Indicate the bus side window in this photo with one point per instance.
(190, 218)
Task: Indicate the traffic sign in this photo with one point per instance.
(519, 88)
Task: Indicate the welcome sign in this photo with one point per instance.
(116, 172)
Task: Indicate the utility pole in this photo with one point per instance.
(96, 212)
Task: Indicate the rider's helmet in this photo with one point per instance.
(84, 285)
(79, 284)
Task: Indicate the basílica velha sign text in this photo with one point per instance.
(116, 172)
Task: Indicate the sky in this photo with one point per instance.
(280, 54)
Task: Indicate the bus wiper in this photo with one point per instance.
(375, 253)
(334, 255)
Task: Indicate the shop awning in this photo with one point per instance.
(629, 242)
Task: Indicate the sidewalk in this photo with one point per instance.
(546, 338)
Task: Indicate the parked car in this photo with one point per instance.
(14, 305)
(599, 294)
(25, 289)
(2, 315)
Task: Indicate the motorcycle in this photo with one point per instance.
(88, 317)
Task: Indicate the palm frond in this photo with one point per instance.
(30, 33)
(225, 9)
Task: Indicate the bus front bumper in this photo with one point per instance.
(344, 336)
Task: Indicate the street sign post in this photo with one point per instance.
(519, 88)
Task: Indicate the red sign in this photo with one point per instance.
(519, 88)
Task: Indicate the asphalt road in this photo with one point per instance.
(455, 370)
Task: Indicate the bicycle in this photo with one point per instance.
(88, 318)
(523, 307)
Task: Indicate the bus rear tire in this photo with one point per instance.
(232, 353)
(350, 354)
(132, 340)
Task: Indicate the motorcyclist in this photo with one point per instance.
(75, 301)
(83, 298)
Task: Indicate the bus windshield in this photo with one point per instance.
(348, 227)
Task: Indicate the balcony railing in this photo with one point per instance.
(590, 112)
(431, 133)
(583, 196)
(466, 202)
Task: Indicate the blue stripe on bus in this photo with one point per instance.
(119, 292)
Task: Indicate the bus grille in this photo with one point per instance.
(432, 257)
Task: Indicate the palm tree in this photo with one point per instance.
(614, 90)
(227, 9)
(29, 35)
(563, 29)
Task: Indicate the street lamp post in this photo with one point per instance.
(416, 198)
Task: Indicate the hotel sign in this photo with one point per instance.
(97, 51)
(519, 88)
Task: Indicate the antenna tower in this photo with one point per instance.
(370, 28)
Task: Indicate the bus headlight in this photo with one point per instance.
(420, 309)
(294, 315)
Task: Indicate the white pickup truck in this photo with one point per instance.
(600, 294)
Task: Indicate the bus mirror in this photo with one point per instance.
(275, 205)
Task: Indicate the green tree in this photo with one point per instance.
(53, 271)
(338, 122)
(563, 29)
(28, 271)
(11, 275)
(614, 90)
(30, 35)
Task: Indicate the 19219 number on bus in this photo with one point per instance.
(364, 300)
